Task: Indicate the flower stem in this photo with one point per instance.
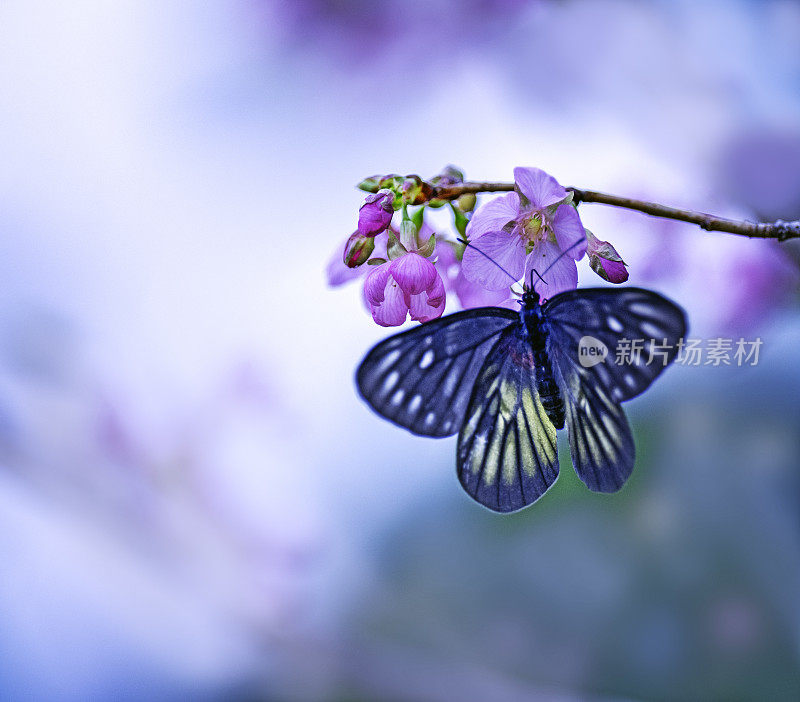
(779, 230)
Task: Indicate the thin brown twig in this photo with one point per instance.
(779, 230)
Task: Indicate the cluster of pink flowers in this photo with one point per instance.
(409, 269)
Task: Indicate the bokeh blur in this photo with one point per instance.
(194, 504)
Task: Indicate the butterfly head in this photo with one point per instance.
(530, 298)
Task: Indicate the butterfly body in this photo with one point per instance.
(535, 326)
(505, 381)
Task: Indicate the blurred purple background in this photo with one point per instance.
(194, 503)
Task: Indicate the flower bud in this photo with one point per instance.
(604, 260)
(466, 202)
(371, 184)
(450, 175)
(391, 181)
(357, 249)
(376, 213)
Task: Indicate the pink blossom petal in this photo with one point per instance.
(558, 269)
(422, 311)
(540, 188)
(375, 284)
(469, 294)
(436, 292)
(473, 295)
(367, 304)
(569, 231)
(493, 215)
(446, 261)
(413, 273)
(429, 304)
(393, 310)
(504, 249)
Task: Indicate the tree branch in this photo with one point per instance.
(779, 230)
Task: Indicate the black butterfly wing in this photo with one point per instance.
(600, 437)
(506, 456)
(613, 314)
(422, 379)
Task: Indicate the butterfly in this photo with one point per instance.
(505, 381)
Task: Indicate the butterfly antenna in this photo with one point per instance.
(533, 270)
(482, 253)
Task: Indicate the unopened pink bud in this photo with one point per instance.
(604, 260)
(376, 213)
(358, 249)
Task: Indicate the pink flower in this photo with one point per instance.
(408, 285)
(376, 213)
(524, 230)
(604, 260)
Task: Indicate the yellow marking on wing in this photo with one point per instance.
(493, 453)
(476, 454)
(471, 425)
(527, 402)
(487, 373)
(508, 399)
(525, 447)
(543, 432)
(510, 459)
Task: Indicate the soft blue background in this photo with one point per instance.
(193, 502)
